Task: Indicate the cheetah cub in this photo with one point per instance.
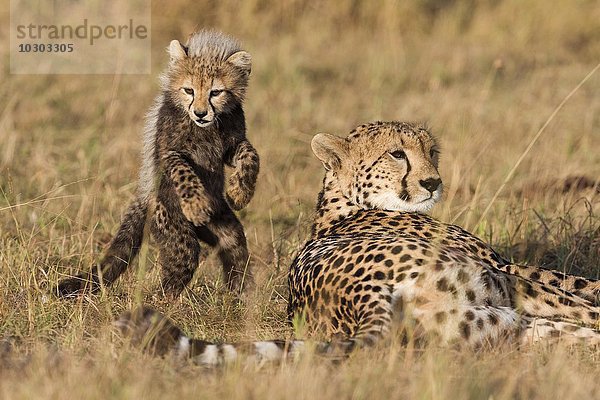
(195, 127)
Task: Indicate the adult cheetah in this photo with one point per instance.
(373, 262)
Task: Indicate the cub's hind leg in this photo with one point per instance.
(179, 249)
(231, 249)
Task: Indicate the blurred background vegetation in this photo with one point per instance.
(485, 75)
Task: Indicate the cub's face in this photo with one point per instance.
(384, 165)
(207, 88)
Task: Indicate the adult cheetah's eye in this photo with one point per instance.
(188, 90)
(433, 152)
(216, 92)
(398, 154)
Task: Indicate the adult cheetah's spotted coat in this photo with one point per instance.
(369, 264)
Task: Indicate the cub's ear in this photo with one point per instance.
(177, 51)
(330, 149)
(242, 60)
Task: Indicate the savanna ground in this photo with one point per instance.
(485, 75)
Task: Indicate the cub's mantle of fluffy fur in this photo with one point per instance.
(194, 128)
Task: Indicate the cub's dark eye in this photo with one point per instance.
(216, 92)
(433, 152)
(189, 91)
(398, 154)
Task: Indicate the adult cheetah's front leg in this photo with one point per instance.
(586, 288)
(241, 184)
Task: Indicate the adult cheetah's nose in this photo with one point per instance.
(431, 184)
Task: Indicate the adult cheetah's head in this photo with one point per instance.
(383, 165)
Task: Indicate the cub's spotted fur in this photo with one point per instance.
(195, 127)
(370, 266)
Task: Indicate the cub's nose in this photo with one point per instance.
(431, 184)
(200, 114)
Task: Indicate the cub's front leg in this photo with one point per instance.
(241, 184)
(196, 201)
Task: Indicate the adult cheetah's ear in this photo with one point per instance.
(242, 60)
(177, 51)
(330, 149)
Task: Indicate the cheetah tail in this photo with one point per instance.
(156, 334)
(122, 250)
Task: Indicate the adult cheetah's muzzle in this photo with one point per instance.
(431, 184)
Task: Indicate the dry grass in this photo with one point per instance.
(486, 75)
